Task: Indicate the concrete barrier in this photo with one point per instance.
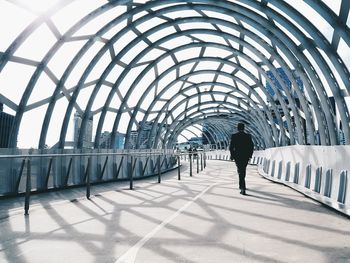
(320, 172)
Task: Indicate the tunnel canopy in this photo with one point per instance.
(78, 73)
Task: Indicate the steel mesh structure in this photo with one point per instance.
(159, 68)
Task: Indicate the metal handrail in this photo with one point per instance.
(3, 156)
(79, 154)
(134, 156)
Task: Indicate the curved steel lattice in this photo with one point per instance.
(153, 70)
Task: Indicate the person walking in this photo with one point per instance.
(241, 149)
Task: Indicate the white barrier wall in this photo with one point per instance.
(320, 172)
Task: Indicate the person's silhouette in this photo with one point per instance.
(241, 149)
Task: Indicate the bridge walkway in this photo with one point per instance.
(197, 219)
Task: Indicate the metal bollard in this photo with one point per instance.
(178, 168)
(197, 164)
(190, 165)
(131, 176)
(159, 178)
(201, 162)
(28, 189)
(88, 185)
(205, 160)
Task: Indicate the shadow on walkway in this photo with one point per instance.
(198, 219)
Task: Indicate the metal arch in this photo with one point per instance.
(40, 68)
(198, 130)
(103, 114)
(170, 132)
(320, 122)
(188, 129)
(192, 132)
(212, 92)
(212, 141)
(305, 41)
(175, 121)
(291, 77)
(27, 31)
(217, 131)
(223, 73)
(231, 118)
(320, 40)
(210, 129)
(255, 14)
(225, 134)
(331, 18)
(283, 40)
(222, 132)
(252, 90)
(256, 136)
(199, 84)
(130, 90)
(63, 136)
(234, 124)
(193, 31)
(194, 96)
(89, 43)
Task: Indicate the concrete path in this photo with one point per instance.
(198, 219)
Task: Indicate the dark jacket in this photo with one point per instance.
(241, 146)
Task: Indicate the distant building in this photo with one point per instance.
(119, 141)
(341, 137)
(286, 81)
(183, 146)
(296, 101)
(133, 140)
(144, 132)
(6, 122)
(87, 136)
(277, 84)
(105, 141)
(196, 141)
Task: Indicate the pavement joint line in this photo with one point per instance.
(130, 255)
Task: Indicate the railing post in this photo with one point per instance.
(159, 179)
(178, 168)
(197, 163)
(201, 162)
(131, 176)
(205, 160)
(28, 188)
(88, 185)
(190, 165)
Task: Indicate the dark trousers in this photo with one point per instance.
(241, 169)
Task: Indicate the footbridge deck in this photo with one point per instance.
(202, 218)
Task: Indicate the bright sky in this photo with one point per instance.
(19, 13)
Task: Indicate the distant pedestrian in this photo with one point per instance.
(190, 152)
(241, 149)
(195, 153)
